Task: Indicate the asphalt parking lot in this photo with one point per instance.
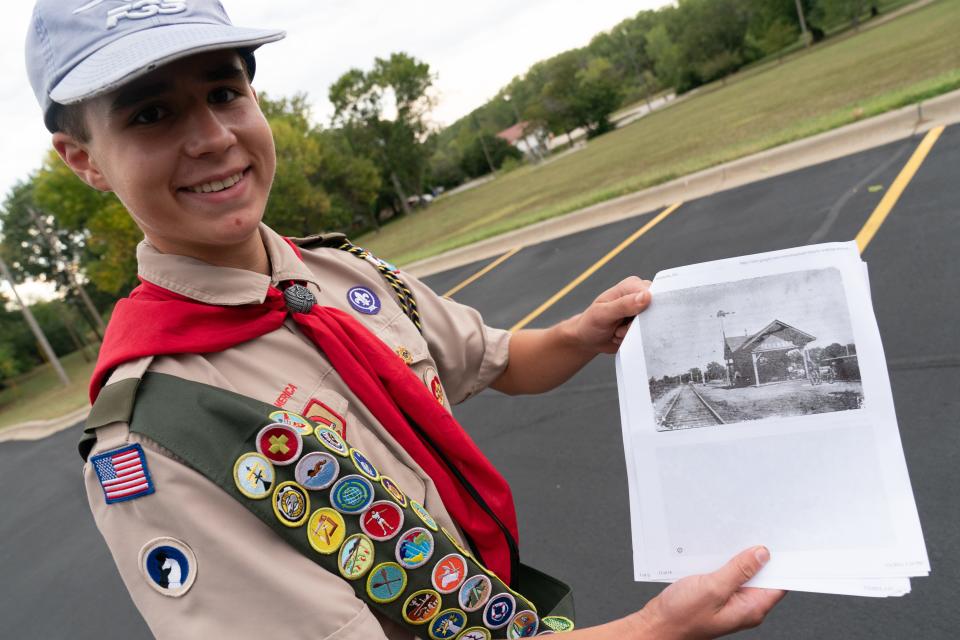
(562, 451)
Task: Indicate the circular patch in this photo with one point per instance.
(456, 543)
(414, 548)
(382, 520)
(386, 582)
(499, 610)
(317, 470)
(395, 492)
(364, 465)
(326, 530)
(432, 380)
(351, 494)
(291, 504)
(424, 514)
(169, 566)
(298, 422)
(332, 440)
(449, 574)
(364, 300)
(475, 592)
(280, 443)
(421, 606)
(557, 623)
(254, 475)
(447, 624)
(356, 556)
(475, 633)
(523, 625)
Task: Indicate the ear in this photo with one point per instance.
(76, 155)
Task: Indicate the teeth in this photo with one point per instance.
(217, 185)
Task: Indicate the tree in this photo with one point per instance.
(475, 159)
(298, 203)
(598, 95)
(716, 371)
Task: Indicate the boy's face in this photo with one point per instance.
(171, 145)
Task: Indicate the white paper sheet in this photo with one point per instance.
(814, 471)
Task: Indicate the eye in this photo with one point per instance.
(223, 95)
(149, 115)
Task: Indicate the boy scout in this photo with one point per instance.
(236, 328)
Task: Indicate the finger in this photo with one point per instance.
(741, 568)
(631, 284)
(763, 599)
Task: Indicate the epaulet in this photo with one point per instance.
(330, 239)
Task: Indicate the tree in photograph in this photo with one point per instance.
(716, 371)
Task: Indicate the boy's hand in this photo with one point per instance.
(601, 328)
(711, 605)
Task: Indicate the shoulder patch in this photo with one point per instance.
(169, 566)
(123, 473)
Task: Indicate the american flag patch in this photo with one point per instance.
(123, 474)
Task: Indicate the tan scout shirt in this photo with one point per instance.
(249, 582)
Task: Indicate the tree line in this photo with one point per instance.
(379, 155)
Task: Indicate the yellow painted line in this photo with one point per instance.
(896, 189)
(479, 274)
(594, 267)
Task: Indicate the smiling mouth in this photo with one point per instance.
(217, 185)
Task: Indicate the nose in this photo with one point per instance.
(208, 133)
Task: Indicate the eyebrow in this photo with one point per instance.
(137, 94)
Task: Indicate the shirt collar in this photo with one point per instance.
(222, 285)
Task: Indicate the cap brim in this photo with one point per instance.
(143, 51)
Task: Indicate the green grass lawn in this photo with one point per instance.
(908, 59)
(38, 395)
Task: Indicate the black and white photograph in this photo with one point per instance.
(768, 347)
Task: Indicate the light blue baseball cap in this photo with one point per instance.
(80, 49)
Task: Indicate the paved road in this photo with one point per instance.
(562, 451)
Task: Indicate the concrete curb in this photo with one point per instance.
(37, 429)
(830, 145)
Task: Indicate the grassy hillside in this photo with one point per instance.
(898, 63)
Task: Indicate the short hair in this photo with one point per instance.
(71, 120)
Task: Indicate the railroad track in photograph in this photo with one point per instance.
(689, 409)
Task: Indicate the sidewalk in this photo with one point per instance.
(830, 145)
(37, 429)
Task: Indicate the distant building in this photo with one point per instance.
(763, 357)
(525, 136)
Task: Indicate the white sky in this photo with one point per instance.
(474, 48)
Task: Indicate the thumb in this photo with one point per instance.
(626, 306)
(742, 567)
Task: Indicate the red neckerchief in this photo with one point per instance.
(154, 321)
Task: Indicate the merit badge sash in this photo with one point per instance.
(330, 502)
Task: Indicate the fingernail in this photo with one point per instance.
(642, 297)
(762, 555)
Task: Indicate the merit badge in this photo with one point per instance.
(424, 515)
(475, 633)
(332, 440)
(364, 300)
(382, 520)
(280, 443)
(319, 412)
(364, 465)
(456, 543)
(404, 354)
(356, 556)
(557, 623)
(169, 566)
(499, 610)
(298, 422)
(291, 504)
(447, 624)
(317, 470)
(395, 492)
(386, 582)
(414, 548)
(326, 530)
(523, 625)
(123, 474)
(432, 380)
(421, 606)
(254, 475)
(474, 593)
(450, 573)
(351, 494)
